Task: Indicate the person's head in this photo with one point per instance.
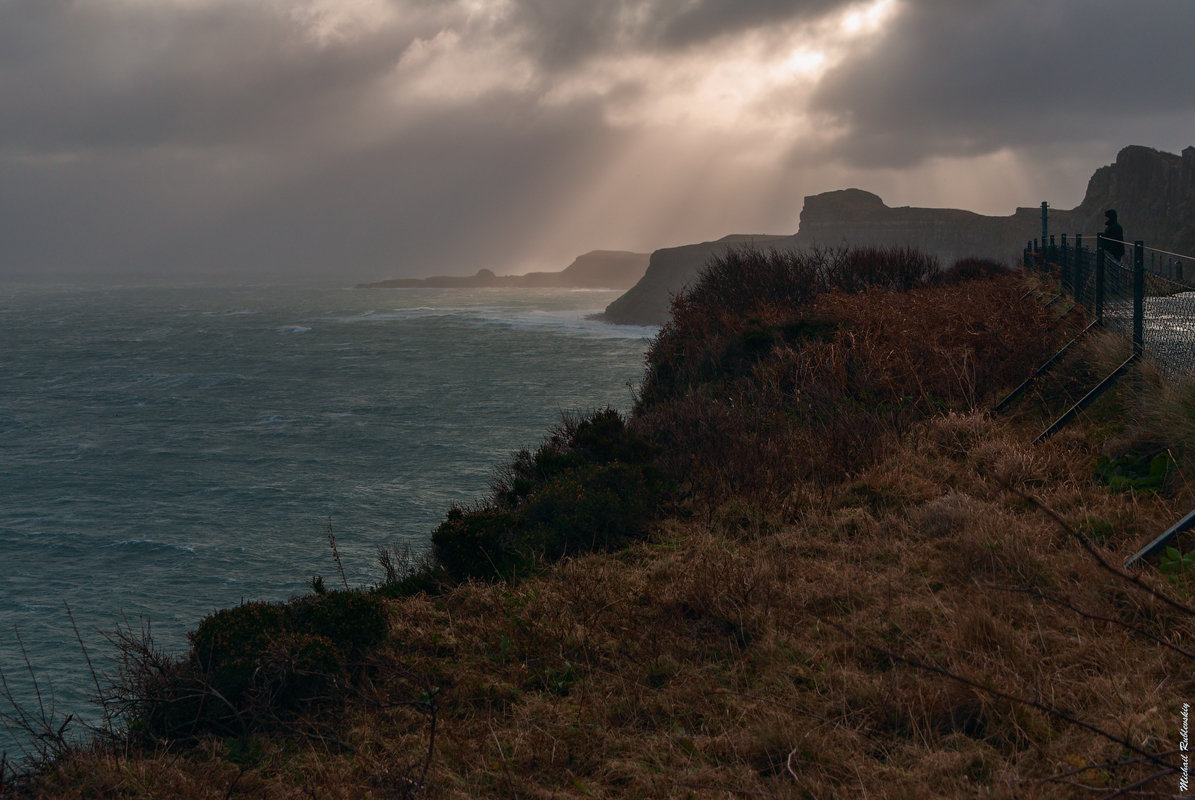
(1110, 215)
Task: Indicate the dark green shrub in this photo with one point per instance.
(352, 621)
(599, 438)
(811, 329)
(1179, 569)
(428, 580)
(270, 658)
(589, 486)
(230, 644)
(757, 341)
(604, 437)
(477, 544)
(597, 508)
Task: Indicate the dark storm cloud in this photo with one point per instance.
(442, 135)
(950, 78)
(84, 76)
(140, 136)
(563, 33)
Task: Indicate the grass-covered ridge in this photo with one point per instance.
(808, 564)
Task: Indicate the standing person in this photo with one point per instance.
(1113, 235)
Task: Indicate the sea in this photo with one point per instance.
(168, 452)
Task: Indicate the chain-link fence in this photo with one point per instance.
(1148, 296)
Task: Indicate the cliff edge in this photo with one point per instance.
(670, 270)
(1154, 192)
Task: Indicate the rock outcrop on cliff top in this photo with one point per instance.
(1153, 191)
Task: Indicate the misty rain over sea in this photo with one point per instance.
(168, 452)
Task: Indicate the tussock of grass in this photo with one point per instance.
(917, 618)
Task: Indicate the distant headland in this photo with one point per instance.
(599, 269)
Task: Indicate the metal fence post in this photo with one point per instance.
(1138, 297)
(1072, 273)
(1045, 226)
(1101, 260)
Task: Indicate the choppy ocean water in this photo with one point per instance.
(168, 452)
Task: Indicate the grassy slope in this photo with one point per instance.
(784, 632)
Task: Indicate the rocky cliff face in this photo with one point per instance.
(1153, 192)
(673, 268)
(858, 218)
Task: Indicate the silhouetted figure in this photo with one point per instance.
(1113, 235)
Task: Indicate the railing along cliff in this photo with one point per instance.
(1150, 300)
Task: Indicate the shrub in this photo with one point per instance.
(782, 385)
(858, 269)
(352, 621)
(602, 437)
(407, 573)
(1146, 472)
(596, 508)
(270, 659)
(589, 508)
(477, 544)
(590, 486)
(743, 297)
(230, 644)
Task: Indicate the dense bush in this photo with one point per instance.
(474, 543)
(590, 486)
(261, 661)
(602, 437)
(599, 507)
(781, 368)
(744, 294)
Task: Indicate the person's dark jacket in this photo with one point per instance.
(1113, 236)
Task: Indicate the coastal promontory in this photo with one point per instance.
(598, 269)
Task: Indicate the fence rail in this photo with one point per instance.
(1150, 300)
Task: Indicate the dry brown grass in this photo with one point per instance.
(925, 621)
(817, 406)
(752, 656)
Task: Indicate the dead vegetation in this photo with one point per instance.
(871, 587)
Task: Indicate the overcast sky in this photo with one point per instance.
(362, 139)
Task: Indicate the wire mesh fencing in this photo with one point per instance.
(1148, 296)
